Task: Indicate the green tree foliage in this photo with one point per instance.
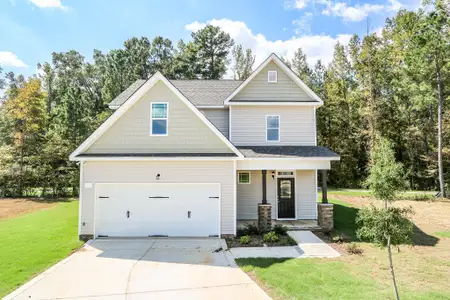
(300, 66)
(243, 62)
(386, 177)
(389, 225)
(394, 86)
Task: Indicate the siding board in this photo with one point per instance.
(297, 125)
(131, 133)
(261, 90)
(219, 117)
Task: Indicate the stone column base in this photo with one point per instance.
(265, 217)
(325, 218)
(85, 237)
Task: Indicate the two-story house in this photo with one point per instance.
(195, 157)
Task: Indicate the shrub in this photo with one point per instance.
(353, 248)
(249, 229)
(244, 239)
(377, 225)
(336, 237)
(280, 229)
(270, 237)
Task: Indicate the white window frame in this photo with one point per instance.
(166, 118)
(249, 177)
(279, 130)
(276, 76)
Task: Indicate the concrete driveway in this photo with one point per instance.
(135, 269)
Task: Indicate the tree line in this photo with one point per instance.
(394, 86)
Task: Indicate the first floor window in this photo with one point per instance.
(273, 128)
(244, 177)
(159, 118)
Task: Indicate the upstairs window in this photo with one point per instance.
(273, 128)
(272, 76)
(159, 119)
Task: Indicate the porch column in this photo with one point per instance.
(324, 186)
(264, 208)
(264, 187)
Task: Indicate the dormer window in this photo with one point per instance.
(272, 76)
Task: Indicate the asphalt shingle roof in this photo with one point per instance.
(199, 92)
(286, 151)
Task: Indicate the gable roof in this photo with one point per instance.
(273, 57)
(312, 152)
(199, 92)
(136, 96)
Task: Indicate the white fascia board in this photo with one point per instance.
(136, 158)
(283, 164)
(273, 57)
(113, 107)
(274, 103)
(136, 97)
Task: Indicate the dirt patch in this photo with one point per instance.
(10, 208)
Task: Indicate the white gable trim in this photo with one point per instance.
(132, 100)
(273, 57)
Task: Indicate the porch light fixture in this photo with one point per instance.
(158, 176)
(273, 174)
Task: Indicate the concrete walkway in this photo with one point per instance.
(135, 269)
(309, 245)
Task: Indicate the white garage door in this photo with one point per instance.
(165, 209)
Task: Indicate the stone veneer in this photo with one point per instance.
(325, 216)
(265, 217)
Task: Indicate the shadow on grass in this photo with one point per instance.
(260, 262)
(344, 222)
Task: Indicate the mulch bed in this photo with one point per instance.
(10, 208)
(257, 241)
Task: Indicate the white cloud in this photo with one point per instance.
(302, 25)
(9, 59)
(49, 4)
(359, 12)
(314, 46)
(296, 4)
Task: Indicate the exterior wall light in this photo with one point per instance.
(158, 176)
(273, 174)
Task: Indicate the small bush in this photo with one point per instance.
(280, 229)
(336, 237)
(249, 229)
(353, 248)
(244, 239)
(270, 237)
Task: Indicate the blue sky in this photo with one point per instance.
(32, 29)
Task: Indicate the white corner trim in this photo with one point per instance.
(137, 96)
(273, 57)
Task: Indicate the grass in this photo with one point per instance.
(422, 270)
(410, 195)
(444, 234)
(32, 243)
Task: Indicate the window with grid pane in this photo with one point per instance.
(273, 128)
(159, 119)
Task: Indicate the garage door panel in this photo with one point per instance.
(158, 209)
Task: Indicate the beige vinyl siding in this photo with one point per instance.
(259, 89)
(145, 172)
(219, 117)
(186, 132)
(249, 195)
(306, 188)
(297, 125)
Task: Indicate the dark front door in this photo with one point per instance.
(286, 198)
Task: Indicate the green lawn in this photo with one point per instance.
(444, 234)
(423, 271)
(411, 195)
(32, 243)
